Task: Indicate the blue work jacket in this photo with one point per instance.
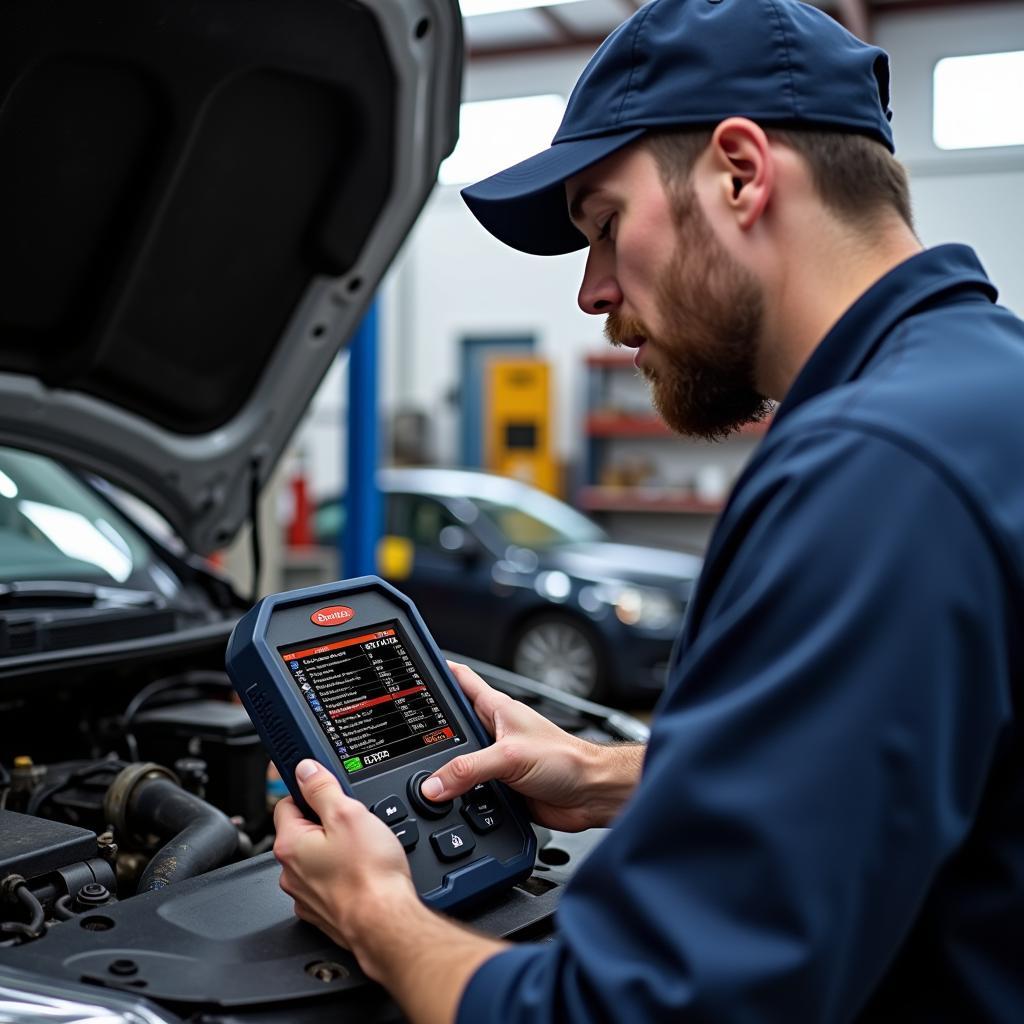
(830, 822)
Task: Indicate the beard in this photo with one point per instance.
(712, 309)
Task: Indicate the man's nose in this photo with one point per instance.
(599, 292)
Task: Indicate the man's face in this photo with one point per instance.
(672, 291)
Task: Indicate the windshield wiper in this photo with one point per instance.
(69, 592)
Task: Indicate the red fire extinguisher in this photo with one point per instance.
(300, 530)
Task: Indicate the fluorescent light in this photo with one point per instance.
(494, 134)
(978, 101)
(8, 488)
(470, 8)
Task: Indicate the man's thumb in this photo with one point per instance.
(461, 774)
(320, 789)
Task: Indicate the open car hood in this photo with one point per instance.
(197, 201)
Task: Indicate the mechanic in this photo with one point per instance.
(828, 821)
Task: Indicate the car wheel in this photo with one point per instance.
(560, 652)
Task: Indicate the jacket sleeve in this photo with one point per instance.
(819, 754)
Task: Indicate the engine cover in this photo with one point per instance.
(230, 940)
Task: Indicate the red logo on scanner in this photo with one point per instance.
(331, 616)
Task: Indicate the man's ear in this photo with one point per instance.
(744, 168)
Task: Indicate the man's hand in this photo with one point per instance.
(350, 878)
(332, 890)
(568, 783)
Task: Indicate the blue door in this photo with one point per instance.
(475, 353)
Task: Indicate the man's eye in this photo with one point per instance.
(605, 230)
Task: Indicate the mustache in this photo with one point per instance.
(619, 329)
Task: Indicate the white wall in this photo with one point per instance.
(452, 279)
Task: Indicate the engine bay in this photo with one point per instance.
(135, 848)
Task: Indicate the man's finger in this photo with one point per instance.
(321, 790)
(289, 820)
(470, 682)
(485, 699)
(463, 773)
(287, 813)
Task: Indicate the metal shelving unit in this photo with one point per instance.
(635, 465)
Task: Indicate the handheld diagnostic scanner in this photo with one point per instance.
(347, 674)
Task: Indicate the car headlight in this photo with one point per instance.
(28, 998)
(643, 607)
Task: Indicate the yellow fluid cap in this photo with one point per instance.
(23, 761)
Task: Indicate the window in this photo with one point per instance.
(494, 134)
(978, 101)
(537, 520)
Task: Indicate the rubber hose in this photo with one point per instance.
(200, 837)
(37, 917)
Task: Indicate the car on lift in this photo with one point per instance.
(198, 202)
(506, 573)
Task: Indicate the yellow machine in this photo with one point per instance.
(517, 422)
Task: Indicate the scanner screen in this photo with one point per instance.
(371, 697)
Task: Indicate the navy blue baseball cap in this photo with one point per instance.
(678, 63)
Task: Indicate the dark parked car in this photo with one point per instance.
(198, 201)
(504, 572)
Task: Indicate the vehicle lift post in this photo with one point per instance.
(358, 539)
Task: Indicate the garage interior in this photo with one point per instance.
(474, 441)
(452, 294)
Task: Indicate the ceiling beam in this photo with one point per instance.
(587, 43)
(869, 9)
(563, 32)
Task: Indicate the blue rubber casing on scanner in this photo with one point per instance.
(290, 732)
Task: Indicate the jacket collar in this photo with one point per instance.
(845, 351)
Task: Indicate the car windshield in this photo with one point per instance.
(52, 527)
(539, 521)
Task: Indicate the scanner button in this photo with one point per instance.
(485, 820)
(390, 810)
(453, 843)
(408, 833)
(480, 798)
(426, 808)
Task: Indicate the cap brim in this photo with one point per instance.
(524, 205)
